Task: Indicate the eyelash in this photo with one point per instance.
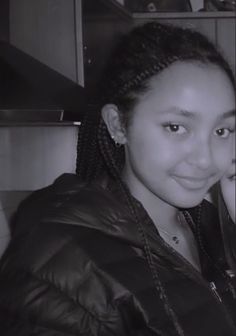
(167, 126)
(230, 131)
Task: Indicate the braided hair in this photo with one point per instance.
(140, 55)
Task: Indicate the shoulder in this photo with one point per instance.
(60, 221)
(67, 259)
(67, 201)
(55, 279)
(69, 228)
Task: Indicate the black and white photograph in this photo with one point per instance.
(117, 168)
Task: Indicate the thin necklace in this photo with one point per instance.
(171, 235)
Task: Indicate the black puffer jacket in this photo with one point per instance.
(76, 266)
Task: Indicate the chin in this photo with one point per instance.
(188, 195)
(188, 202)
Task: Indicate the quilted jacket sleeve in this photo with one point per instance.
(45, 275)
(51, 279)
(42, 291)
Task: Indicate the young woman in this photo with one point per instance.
(129, 246)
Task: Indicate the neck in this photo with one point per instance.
(161, 212)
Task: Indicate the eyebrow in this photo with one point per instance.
(186, 113)
(228, 114)
(182, 113)
(192, 115)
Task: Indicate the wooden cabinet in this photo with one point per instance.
(75, 37)
(70, 36)
(4, 20)
(102, 27)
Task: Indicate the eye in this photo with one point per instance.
(233, 177)
(223, 132)
(175, 128)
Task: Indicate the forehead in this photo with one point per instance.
(204, 90)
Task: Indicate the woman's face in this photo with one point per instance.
(180, 139)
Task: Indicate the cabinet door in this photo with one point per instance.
(102, 27)
(226, 39)
(50, 32)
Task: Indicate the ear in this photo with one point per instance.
(111, 117)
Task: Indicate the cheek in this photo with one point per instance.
(223, 155)
(152, 154)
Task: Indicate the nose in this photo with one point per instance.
(200, 155)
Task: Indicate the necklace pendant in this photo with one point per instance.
(175, 239)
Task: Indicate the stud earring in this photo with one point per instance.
(117, 144)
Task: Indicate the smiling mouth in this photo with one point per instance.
(191, 182)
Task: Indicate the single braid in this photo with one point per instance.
(113, 156)
(89, 165)
(108, 153)
(147, 73)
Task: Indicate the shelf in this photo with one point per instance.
(120, 9)
(39, 123)
(105, 9)
(154, 15)
(184, 15)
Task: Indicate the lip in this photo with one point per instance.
(191, 182)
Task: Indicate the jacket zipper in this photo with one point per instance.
(214, 290)
(209, 285)
(195, 275)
